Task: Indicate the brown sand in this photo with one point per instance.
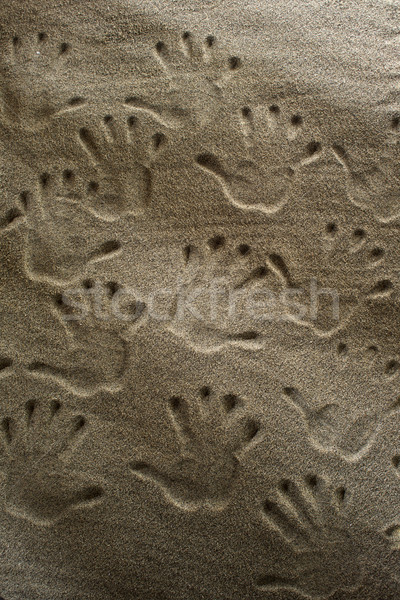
(199, 278)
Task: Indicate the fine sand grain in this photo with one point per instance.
(199, 300)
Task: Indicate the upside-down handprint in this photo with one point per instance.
(212, 435)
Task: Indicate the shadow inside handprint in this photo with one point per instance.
(275, 146)
(31, 70)
(38, 485)
(307, 516)
(210, 437)
(58, 247)
(333, 428)
(123, 155)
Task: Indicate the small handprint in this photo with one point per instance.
(275, 146)
(308, 517)
(38, 485)
(198, 73)
(108, 302)
(65, 334)
(333, 428)
(373, 178)
(58, 247)
(95, 349)
(181, 61)
(348, 264)
(123, 155)
(220, 281)
(31, 70)
(211, 435)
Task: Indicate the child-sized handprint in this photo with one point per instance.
(39, 487)
(94, 351)
(333, 428)
(221, 277)
(123, 155)
(180, 61)
(351, 263)
(275, 146)
(198, 73)
(308, 517)
(58, 243)
(372, 174)
(31, 70)
(211, 435)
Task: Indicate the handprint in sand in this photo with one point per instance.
(123, 153)
(275, 145)
(39, 486)
(373, 175)
(198, 74)
(212, 435)
(58, 248)
(307, 516)
(32, 70)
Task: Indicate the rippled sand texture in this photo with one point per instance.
(199, 300)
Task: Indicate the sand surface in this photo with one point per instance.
(199, 300)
